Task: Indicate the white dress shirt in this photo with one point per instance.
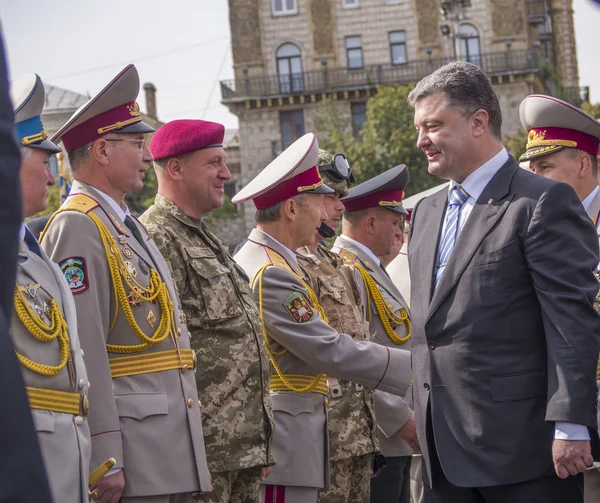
(365, 249)
(121, 210)
(475, 184)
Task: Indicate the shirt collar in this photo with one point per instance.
(121, 210)
(289, 254)
(364, 249)
(476, 182)
(22, 232)
(588, 200)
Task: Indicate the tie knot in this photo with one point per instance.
(459, 196)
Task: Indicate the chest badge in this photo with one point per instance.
(30, 290)
(143, 267)
(127, 251)
(151, 319)
(131, 268)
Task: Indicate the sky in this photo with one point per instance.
(181, 46)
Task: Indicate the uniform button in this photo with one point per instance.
(178, 332)
(81, 383)
(82, 353)
(326, 401)
(78, 420)
(426, 386)
(431, 345)
(184, 369)
(190, 402)
(200, 403)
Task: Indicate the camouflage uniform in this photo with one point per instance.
(353, 436)
(233, 367)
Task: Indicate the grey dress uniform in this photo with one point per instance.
(64, 437)
(305, 348)
(146, 412)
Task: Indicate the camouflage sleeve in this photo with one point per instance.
(168, 245)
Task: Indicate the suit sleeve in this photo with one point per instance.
(320, 346)
(74, 235)
(561, 250)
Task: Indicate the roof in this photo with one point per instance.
(62, 100)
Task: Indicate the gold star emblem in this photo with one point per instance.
(151, 319)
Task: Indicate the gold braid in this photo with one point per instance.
(35, 326)
(383, 309)
(157, 290)
(315, 304)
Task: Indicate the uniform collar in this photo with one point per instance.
(288, 254)
(588, 200)
(365, 249)
(121, 210)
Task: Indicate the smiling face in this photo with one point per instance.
(445, 137)
(35, 179)
(204, 175)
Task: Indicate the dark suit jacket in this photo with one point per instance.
(22, 473)
(508, 343)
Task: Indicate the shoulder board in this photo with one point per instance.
(79, 202)
(347, 257)
(277, 259)
(328, 253)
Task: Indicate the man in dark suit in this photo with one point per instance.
(505, 336)
(22, 477)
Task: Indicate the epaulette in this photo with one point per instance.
(81, 203)
(277, 259)
(348, 257)
(328, 253)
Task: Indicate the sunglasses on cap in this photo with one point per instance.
(338, 169)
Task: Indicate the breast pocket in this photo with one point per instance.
(213, 285)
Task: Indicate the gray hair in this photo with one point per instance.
(273, 213)
(78, 156)
(26, 153)
(466, 88)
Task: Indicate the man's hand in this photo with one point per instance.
(571, 457)
(109, 489)
(266, 471)
(408, 433)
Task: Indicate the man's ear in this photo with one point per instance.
(585, 165)
(289, 209)
(175, 168)
(370, 223)
(479, 122)
(99, 152)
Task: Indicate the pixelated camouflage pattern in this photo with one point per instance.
(350, 481)
(233, 487)
(224, 325)
(352, 430)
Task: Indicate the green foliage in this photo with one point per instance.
(138, 202)
(228, 210)
(52, 201)
(593, 110)
(515, 143)
(387, 139)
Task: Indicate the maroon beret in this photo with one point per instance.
(183, 136)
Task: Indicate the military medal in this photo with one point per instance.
(134, 299)
(30, 290)
(151, 319)
(127, 251)
(131, 268)
(143, 267)
(39, 311)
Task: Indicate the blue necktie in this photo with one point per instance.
(458, 197)
(32, 243)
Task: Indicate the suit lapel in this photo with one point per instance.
(488, 209)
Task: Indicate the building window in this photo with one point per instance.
(289, 69)
(354, 52)
(284, 7)
(349, 4)
(292, 127)
(469, 44)
(398, 47)
(359, 117)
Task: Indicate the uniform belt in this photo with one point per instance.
(58, 401)
(299, 381)
(183, 359)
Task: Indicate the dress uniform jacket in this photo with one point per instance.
(351, 413)
(225, 332)
(64, 437)
(306, 348)
(149, 422)
(391, 412)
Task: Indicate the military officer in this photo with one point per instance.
(372, 225)
(222, 317)
(562, 144)
(351, 414)
(302, 347)
(43, 327)
(146, 411)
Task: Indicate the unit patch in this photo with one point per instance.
(298, 307)
(75, 273)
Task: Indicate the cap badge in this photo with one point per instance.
(538, 139)
(134, 110)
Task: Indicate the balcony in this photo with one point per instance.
(344, 79)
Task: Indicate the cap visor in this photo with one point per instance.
(397, 209)
(46, 145)
(138, 127)
(534, 152)
(322, 189)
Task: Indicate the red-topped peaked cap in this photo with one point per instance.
(181, 137)
(385, 190)
(112, 110)
(554, 124)
(292, 173)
